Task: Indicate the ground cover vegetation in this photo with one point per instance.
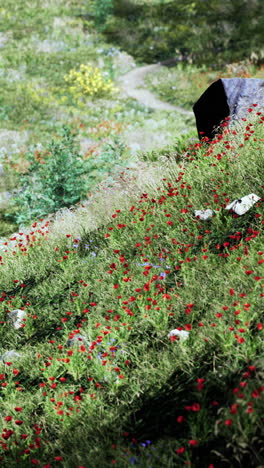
(108, 257)
(98, 380)
(57, 70)
(184, 84)
(156, 31)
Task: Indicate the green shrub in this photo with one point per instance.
(6, 227)
(54, 180)
(102, 9)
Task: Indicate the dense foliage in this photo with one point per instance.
(131, 328)
(202, 31)
(54, 179)
(101, 9)
(98, 379)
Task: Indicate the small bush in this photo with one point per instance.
(88, 81)
(54, 180)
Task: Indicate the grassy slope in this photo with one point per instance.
(40, 44)
(77, 404)
(197, 400)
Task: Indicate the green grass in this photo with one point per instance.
(85, 277)
(198, 32)
(183, 84)
(124, 267)
(41, 44)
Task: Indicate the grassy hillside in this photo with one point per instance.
(97, 380)
(42, 46)
(102, 256)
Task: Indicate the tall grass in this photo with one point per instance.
(125, 393)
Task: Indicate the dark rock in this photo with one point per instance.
(226, 97)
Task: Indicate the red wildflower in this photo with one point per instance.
(8, 418)
(228, 422)
(180, 450)
(193, 442)
(196, 407)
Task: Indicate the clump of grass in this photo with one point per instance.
(28, 99)
(54, 179)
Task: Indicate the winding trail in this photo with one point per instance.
(133, 85)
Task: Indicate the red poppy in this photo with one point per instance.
(180, 450)
(196, 407)
(193, 442)
(228, 422)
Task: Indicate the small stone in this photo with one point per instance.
(78, 340)
(242, 205)
(10, 356)
(16, 317)
(204, 215)
(182, 334)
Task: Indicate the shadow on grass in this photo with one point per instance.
(154, 418)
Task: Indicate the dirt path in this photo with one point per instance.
(133, 85)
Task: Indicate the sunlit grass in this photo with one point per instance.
(184, 84)
(122, 272)
(91, 378)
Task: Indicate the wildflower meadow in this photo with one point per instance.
(131, 267)
(95, 379)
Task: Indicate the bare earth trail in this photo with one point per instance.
(132, 84)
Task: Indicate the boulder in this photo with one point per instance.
(181, 334)
(227, 97)
(204, 215)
